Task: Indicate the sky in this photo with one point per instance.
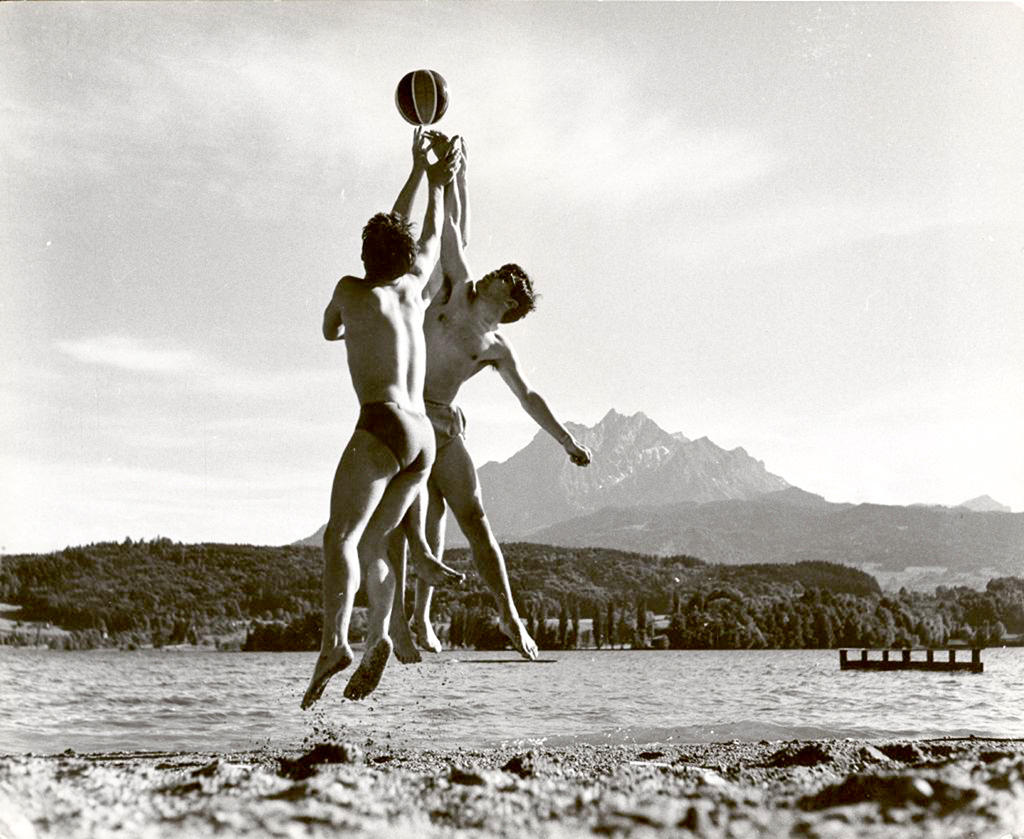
(795, 228)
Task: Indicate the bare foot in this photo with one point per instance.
(330, 662)
(520, 638)
(428, 567)
(370, 669)
(405, 647)
(425, 635)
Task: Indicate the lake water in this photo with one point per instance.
(167, 700)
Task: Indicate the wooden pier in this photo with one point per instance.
(941, 660)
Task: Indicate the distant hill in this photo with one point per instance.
(985, 504)
(916, 546)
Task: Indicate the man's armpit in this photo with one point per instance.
(444, 294)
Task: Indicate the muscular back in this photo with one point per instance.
(458, 345)
(384, 334)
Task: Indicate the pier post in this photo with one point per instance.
(863, 655)
(906, 656)
(842, 659)
(885, 655)
(931, 656)
(952, 654)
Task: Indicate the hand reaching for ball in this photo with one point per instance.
(443, 170)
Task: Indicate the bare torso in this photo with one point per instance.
(459, 344)
(384, 334)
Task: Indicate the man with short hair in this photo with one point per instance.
(463, 338)
(388, 458)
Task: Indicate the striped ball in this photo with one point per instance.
(422, 97)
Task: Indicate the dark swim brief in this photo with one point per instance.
(407, 434)
(448, 420)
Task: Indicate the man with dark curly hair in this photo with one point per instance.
(463, 338)
(388, 458)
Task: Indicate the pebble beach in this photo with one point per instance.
(937, 788)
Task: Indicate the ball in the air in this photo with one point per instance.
(422, 97)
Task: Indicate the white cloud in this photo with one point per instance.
(625, 157)
(126, 353)
(779, 232)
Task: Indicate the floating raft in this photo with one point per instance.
(942, 660)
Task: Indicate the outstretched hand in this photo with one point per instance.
(443, 171)
(438, 142)
(580, 455)
(464, 153)
(420, 146)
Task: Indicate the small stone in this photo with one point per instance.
(306, 765)
(811, 754)
(470, 777)
(524, 765)
(909, 753)
(869, 754)
(712, 779)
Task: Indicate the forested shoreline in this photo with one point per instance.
(158, 592)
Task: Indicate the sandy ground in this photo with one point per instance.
(823, 788)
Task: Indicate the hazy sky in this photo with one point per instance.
(795, 228)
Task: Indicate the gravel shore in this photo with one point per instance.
(820, 788)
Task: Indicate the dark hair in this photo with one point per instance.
(389, 248)
(521, 291)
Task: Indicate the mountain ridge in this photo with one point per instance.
(659, 493)
(634, 462)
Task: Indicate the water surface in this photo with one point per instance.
(210, 701)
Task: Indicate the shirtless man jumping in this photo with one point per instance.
(387, 459)
(463, 338)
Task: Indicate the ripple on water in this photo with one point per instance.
(179, 700)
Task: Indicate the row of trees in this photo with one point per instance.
(161, 592)
(728, 618)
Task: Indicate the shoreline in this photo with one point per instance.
(935, 788)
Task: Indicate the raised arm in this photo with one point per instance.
(453, 258)
(438, 175)
(463, 196)
(405, 199)
(533, 403)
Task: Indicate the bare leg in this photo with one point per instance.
(360, 482)
(428, 566)
(434, 531)
(380, 580)
(455, 477)
(379, 591)
(398, 628)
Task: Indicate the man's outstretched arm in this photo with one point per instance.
(534, 405)
(438, 175)
(405, 199)
(452, 265)
(463, 194)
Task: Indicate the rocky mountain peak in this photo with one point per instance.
(635, 461)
